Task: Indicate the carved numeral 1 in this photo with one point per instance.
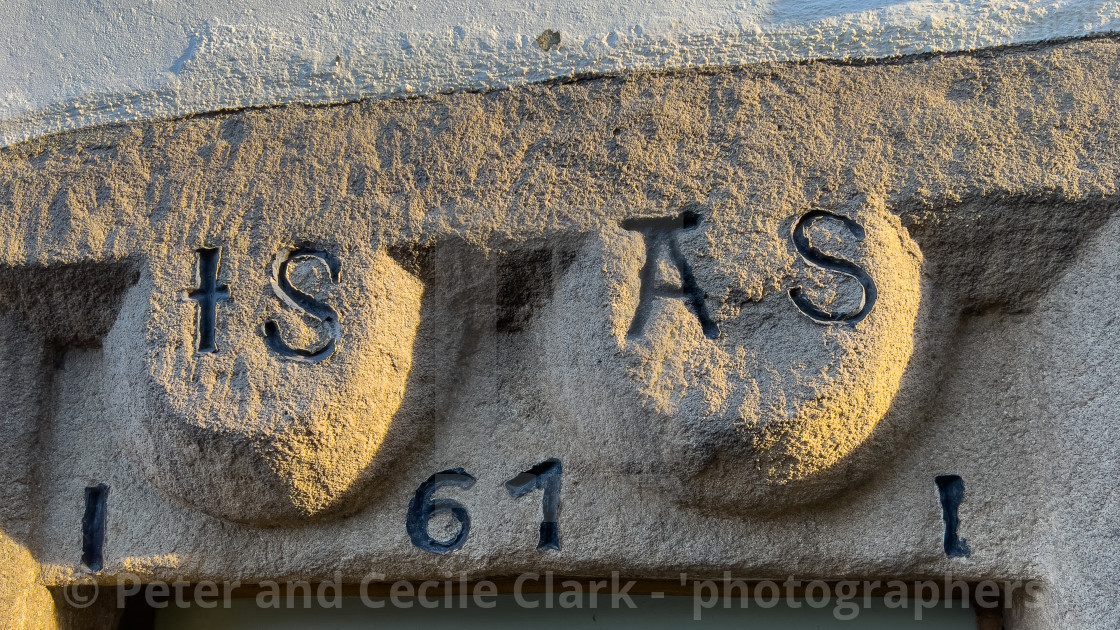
(544, 476)
(93, 527)
(951, 489)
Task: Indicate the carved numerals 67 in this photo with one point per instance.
(544, 476)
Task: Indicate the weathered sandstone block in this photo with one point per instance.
(759, 320)
(254, 435)
(746, 404)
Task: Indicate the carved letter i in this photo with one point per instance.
(208, 294)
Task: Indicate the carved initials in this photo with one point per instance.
(293, 297)
(658, 234)
(661, 240)
(803, 245)
(208, 294)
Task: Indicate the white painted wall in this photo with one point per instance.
(72, 63)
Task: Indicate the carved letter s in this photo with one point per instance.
(816, 257)
(304, 303)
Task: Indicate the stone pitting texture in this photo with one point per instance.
(486, 292)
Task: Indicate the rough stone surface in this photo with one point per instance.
(224, 431)
(760, 418)
(486, 299)
(121, 63)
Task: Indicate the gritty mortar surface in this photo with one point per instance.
(67, 64)
(490, 270)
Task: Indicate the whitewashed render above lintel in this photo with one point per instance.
(67, 64)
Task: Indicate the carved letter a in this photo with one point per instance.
(660, 238)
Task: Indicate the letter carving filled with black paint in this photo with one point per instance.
(251, 374)
(208, 294)
(303, 303)
(805, 247)
(689, 349)
(661, 240)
